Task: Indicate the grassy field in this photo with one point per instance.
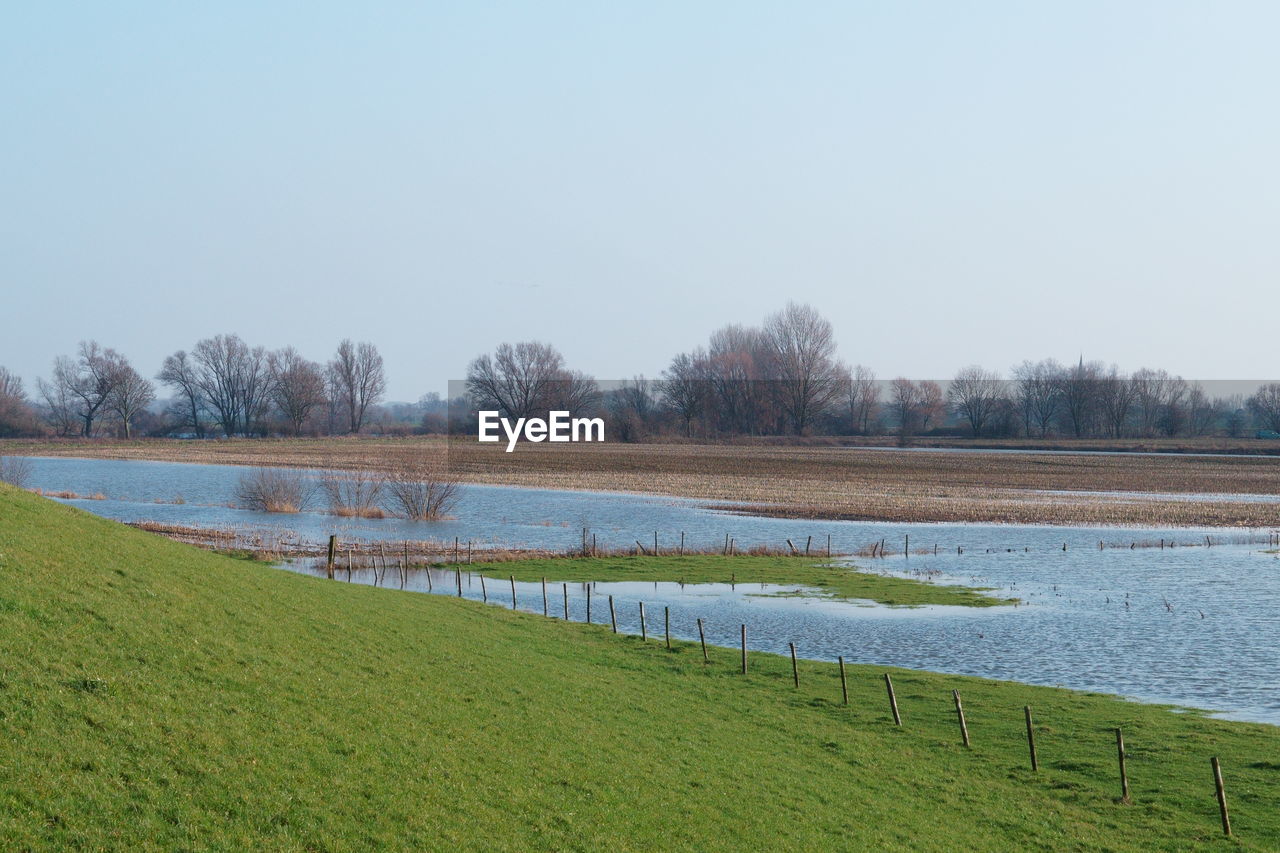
(836, 581)
(794, 481)
(155, 696)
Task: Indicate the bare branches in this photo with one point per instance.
(353, 493)
(273, 490)
(802, 346)
(974, 394)
(16, 471)
(297, 386)
(358, 380)
(423, 491)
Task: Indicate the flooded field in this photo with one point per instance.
(1182, 625)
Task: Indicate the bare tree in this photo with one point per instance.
(17, 417)
(975, 394)
(906, 400)
(1039, 393)
(801, 345)
(234, 382)
(87, 383)
(1115, 396)
(862, 395)
(182, 374)
(1201, 411)
(1079, 388)
(932, 404)
(130, 396)
(632, 409)
(256, 388)
(58, 407)
(683, 387)
(219, 366)
(517, 380)
(1265, 406)
(736, 366)
(360, 380)
(576, 393)
(297, 386)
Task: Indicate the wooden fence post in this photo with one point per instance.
(964, 729)
(744, 649)
(844, 685)
(565, 588)
(613, 616)
(893, 700)
(644, 632)
(1124, 776)
(1031, 739)
(702, 638)
(666, 621)
(1222, 795)
(484, 593)
(333, 547)
(544, 597)
(795, 671)
(513, 592)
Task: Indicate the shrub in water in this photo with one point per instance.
(273, 490)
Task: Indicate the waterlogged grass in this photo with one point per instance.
(157, 697)
(834, 580)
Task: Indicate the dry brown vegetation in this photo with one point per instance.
(794, 481)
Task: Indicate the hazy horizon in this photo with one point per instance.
(948, 185)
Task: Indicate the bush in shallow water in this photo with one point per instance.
(423, 491)
(273, 490)
(353, 493)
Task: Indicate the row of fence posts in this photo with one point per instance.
(844, 688)
(729, 549)
(795, 668)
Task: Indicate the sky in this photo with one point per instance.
(948, 182)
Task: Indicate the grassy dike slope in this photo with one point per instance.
(153, 696)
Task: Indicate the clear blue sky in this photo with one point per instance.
(949, 182)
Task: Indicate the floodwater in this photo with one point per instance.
(1191, 626)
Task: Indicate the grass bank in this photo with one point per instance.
(835, 580)
(158, 697)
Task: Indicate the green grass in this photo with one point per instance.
(835, 581)
(153, 696)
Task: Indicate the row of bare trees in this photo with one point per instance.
(226, 384)
(783, 377)
(222, 386)
(96, 386)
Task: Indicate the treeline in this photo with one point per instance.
(221, 387)
(783, 378)
(779, 378)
